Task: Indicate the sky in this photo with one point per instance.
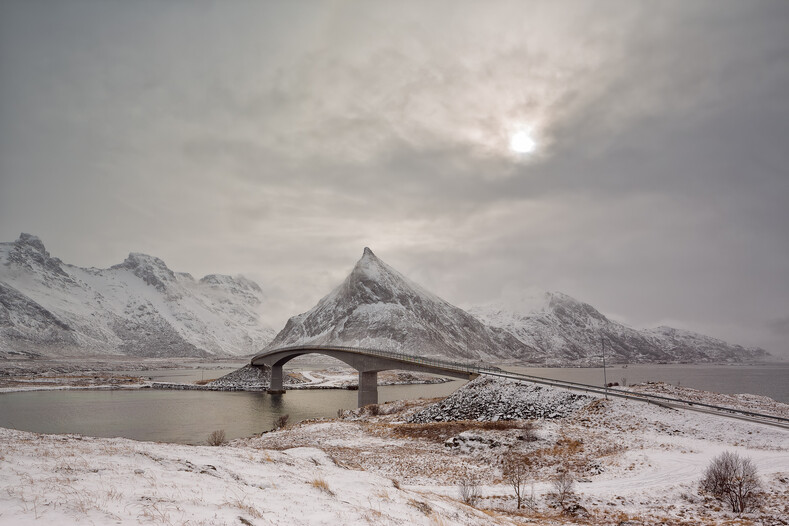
(277, 139)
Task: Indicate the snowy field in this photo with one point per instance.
(632, 464)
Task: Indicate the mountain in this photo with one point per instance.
(138, 308)
(570, 331)
(379, 308)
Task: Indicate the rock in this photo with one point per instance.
(493, 399)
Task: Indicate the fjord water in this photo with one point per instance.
(185, 417)
(765, 379)
(189, 416)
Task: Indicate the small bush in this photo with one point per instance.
(563, 488)
(373, 409)
(469, 490)
(732, 479)
(217, 438)
(281, 421)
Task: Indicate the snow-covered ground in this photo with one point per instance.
(632, 462)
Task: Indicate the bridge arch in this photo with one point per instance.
(367, 362)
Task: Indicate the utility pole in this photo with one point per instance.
(605, 379)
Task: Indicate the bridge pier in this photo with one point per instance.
(276, 386)
(368, 388)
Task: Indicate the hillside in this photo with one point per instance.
(136, 308)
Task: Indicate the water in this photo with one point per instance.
(189, 416)
(185, 417)
(769, 380)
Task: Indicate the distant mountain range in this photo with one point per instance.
(568, 331)
(138, 308)
(142, 308)
(378, 307)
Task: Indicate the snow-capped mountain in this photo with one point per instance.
(139, 307)
(570, 331)
(377, 307)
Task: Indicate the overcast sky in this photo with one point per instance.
(278, 139)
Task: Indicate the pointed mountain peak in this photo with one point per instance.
(28, 251)
(33, 242)
(370, 267)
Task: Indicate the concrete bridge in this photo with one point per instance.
(368, 362)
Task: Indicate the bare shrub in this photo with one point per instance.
(563, 488)
(373, 409)
(732, 479)
(469, 490)
(217, 438)
(516, 471)
(282, 421)
(530, 501)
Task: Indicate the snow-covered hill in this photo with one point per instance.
(377, 307)
(139, 308)
(570, 331)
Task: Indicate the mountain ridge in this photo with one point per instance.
(138, 307)
(577, 332)
(377, 307)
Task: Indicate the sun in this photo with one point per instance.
(521, 142)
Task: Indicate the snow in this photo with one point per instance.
(81, 480)
(631, 461)
(568, 331)
(138, 306)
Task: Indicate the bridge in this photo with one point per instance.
(369, 362)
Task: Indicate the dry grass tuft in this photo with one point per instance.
(321, 484)
(422, 506)
(441, 431)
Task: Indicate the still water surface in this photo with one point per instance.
(768, 380)
(189, 416)
(185, 417)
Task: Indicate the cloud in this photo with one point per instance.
(278, 139)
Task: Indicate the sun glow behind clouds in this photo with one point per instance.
(521, 142)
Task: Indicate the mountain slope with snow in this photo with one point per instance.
(571, 331)
(377, 307)
(138, 308)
